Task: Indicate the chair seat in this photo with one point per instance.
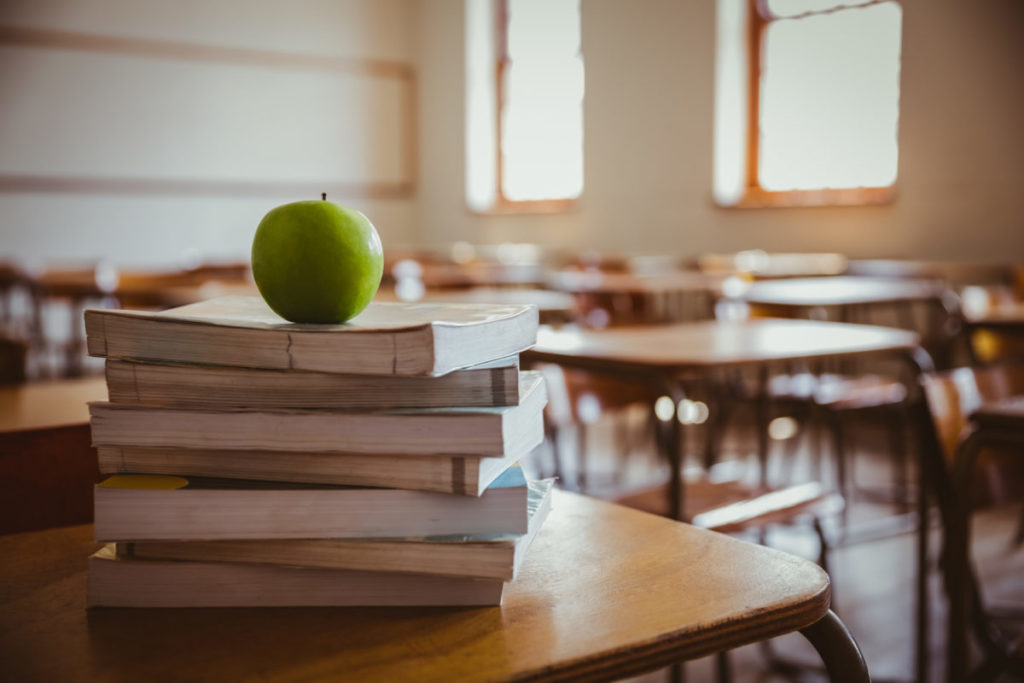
(840, 392)
(731, 505)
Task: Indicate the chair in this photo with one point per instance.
(718, 499)
(965, 480)
(13, 354)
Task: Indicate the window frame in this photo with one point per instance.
(502, 204)
(754, 195)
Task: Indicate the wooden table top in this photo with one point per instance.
(546, 300)
(1005, 413)
(596, 282)
(42, 405)
(605, 591)
(1007, 315)
(840, 291)
(697, 345)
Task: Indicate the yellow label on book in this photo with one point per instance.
(146, 482)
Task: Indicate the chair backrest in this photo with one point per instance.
(951, 397)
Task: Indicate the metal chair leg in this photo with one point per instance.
(839, 651)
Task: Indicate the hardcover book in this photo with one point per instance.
(492, 432)
(154, 507)
(485, 556)
(127, 582)
(385, 339)
(209, 386)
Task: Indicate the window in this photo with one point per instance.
(524, 105)
(807, 102)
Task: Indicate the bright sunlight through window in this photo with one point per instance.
(525, 126)
(827, 96)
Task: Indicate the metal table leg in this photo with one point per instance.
(839, 651)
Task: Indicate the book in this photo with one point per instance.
(480, 431)
(126, 582)
(385, 339)
(495, 383)
(486, 556)
(156, 507)
(466, 475)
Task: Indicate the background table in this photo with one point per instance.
(666, 355)
(47, 463)
(605, 592)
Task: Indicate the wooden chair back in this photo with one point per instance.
(951, 397)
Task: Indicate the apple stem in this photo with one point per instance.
(323, 196)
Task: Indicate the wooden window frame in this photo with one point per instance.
(754, 194)
(502, 204)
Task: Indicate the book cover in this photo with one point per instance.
(466, 475)
(493, 556)
(127, 582)
(385, 339)
(481, 431)
(494, 383)
(155, 507)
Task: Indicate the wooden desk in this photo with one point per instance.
(760, 265)
(839, 292)
(999, 424)
(47, 463)
(666, 355)
(630, 298)
(553, 307)
(605, 592)
(995, 332)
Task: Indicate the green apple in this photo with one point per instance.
(316, 261)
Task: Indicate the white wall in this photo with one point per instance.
(648, 127)
(648, 140)
(145, 151)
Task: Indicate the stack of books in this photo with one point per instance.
(256, 462)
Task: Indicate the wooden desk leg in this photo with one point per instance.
(675, 445)
(763, 408)
(928, 449)
(839, 651)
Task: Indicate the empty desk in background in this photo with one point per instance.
(605, 592)
(47, 463)
(604, 299)
(849, 297)
(668, 356)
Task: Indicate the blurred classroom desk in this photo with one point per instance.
(840, 292)
(47, 462)
(665, 356)
(755, 264)
(605, 592)
(553, 307)
(668, 356)
(604, 299)
(995, 332)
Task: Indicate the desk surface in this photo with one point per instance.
(43, 405)
(1005, 413)
(595, 282)
(690, 346)
(1009, 315)
(604, 589)
(840, 291)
